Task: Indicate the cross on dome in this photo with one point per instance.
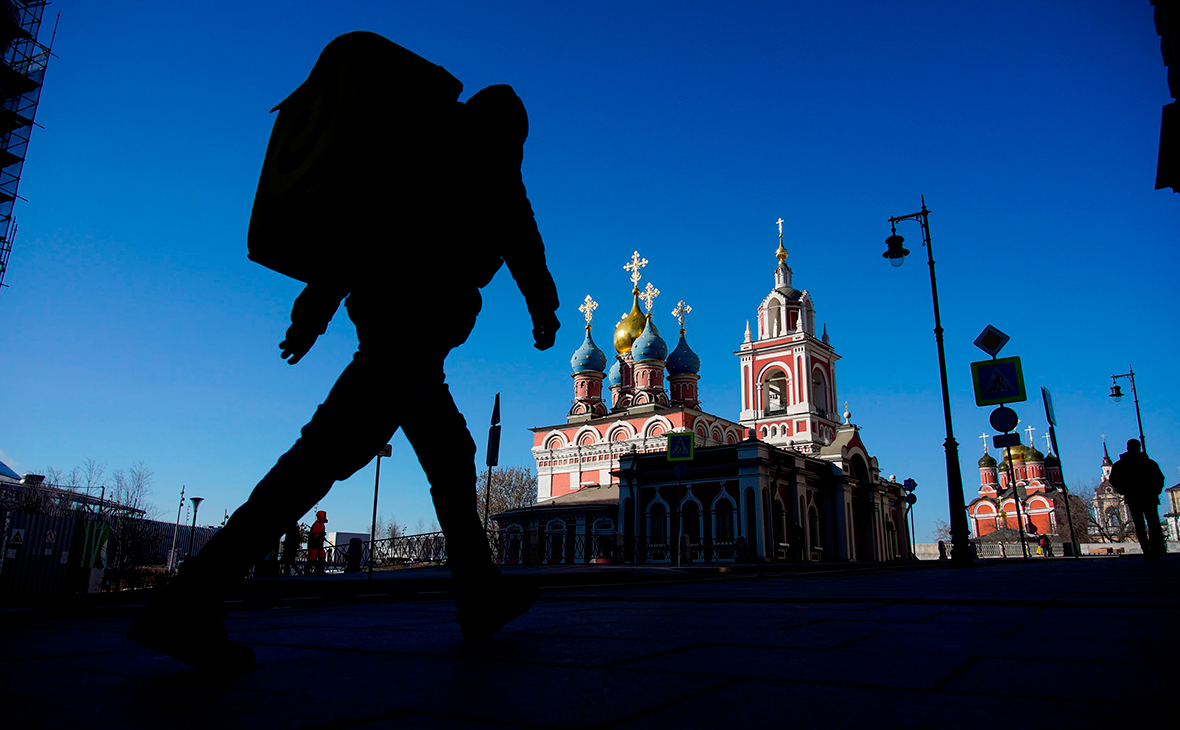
(587, 309)
(781, 253)
(634, 267)
(680, 312)
(649, 293)
(1048, 442)
(984, 436)
(1029, 431)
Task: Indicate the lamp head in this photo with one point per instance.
(196, 501)
(1116, 393)
(896, 253)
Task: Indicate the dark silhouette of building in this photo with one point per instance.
(22, 71)
(1167, 24)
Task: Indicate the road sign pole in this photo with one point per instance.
(1073, 535)
(1016, 501)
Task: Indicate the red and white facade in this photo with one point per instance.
(1038, 481)
(788, 374)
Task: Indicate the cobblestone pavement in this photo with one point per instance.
(1021, 644)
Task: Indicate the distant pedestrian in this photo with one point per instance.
(316, 557)
(1140, 481)
(942, 550)
(1046, 546)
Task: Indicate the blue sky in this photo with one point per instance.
(136, 329)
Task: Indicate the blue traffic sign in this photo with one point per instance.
(998, 381)
(680, 446)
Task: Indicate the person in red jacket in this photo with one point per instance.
(316, 557)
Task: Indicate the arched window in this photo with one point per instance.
(555, 541)
(780, 525)
(819, 390)
(813, 527)
(775, 394)
(723, 516)
(658, 517)
(774, 321)
(604, 539)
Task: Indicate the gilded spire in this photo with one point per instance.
(781, 253)
(631, 324)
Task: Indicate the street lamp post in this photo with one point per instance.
(193, 532)
(960, 541)
(908, 488)
(1116, 393)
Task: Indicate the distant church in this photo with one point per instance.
(788, 480)
(1029, 501)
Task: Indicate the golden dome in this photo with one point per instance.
(629, 327)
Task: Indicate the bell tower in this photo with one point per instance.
(787, 372)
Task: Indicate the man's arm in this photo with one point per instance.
(310, 314)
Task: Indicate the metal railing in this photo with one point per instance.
(512, 547)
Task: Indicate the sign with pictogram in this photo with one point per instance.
(50, 536)
(680, 446)
(998, 381)
(18, 537)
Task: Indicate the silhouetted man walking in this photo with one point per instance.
(1140, 481)
(376, 167)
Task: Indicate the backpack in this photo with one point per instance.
(330, 153)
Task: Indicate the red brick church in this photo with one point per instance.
(788, 480)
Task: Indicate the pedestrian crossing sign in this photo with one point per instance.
(998, 381)
(680, 446)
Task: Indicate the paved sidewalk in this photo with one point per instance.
(1009, 643)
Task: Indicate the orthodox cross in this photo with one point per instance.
(679, 313)
(587, 309)
(1048, 442)
(1029, 431)
(634, 267)
(984, 436)
(780, 228)
(649, 293)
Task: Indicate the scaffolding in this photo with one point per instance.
(22, 71)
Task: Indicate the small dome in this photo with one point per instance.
(1017, 453)
(615, 377)
(1031, 454)
(629, 327)
(683, 360)
(649, 345)
(1052, 460)
(588, 356)
(987, 462)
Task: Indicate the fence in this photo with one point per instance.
(513, 547)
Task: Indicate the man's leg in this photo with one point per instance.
(1155, 531)
(446, 451)
(345, 433)
(1141, 533)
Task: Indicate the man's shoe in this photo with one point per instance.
(486, 608)
(198, 639)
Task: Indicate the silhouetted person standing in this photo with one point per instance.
(317, 559)
(410, 202)
(1140, 481)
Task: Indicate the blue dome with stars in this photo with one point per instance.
(683, 360)
(615, 377)
(588, 356)
(649, 345)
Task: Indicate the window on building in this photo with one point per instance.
(776, 394)
(724, 514)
